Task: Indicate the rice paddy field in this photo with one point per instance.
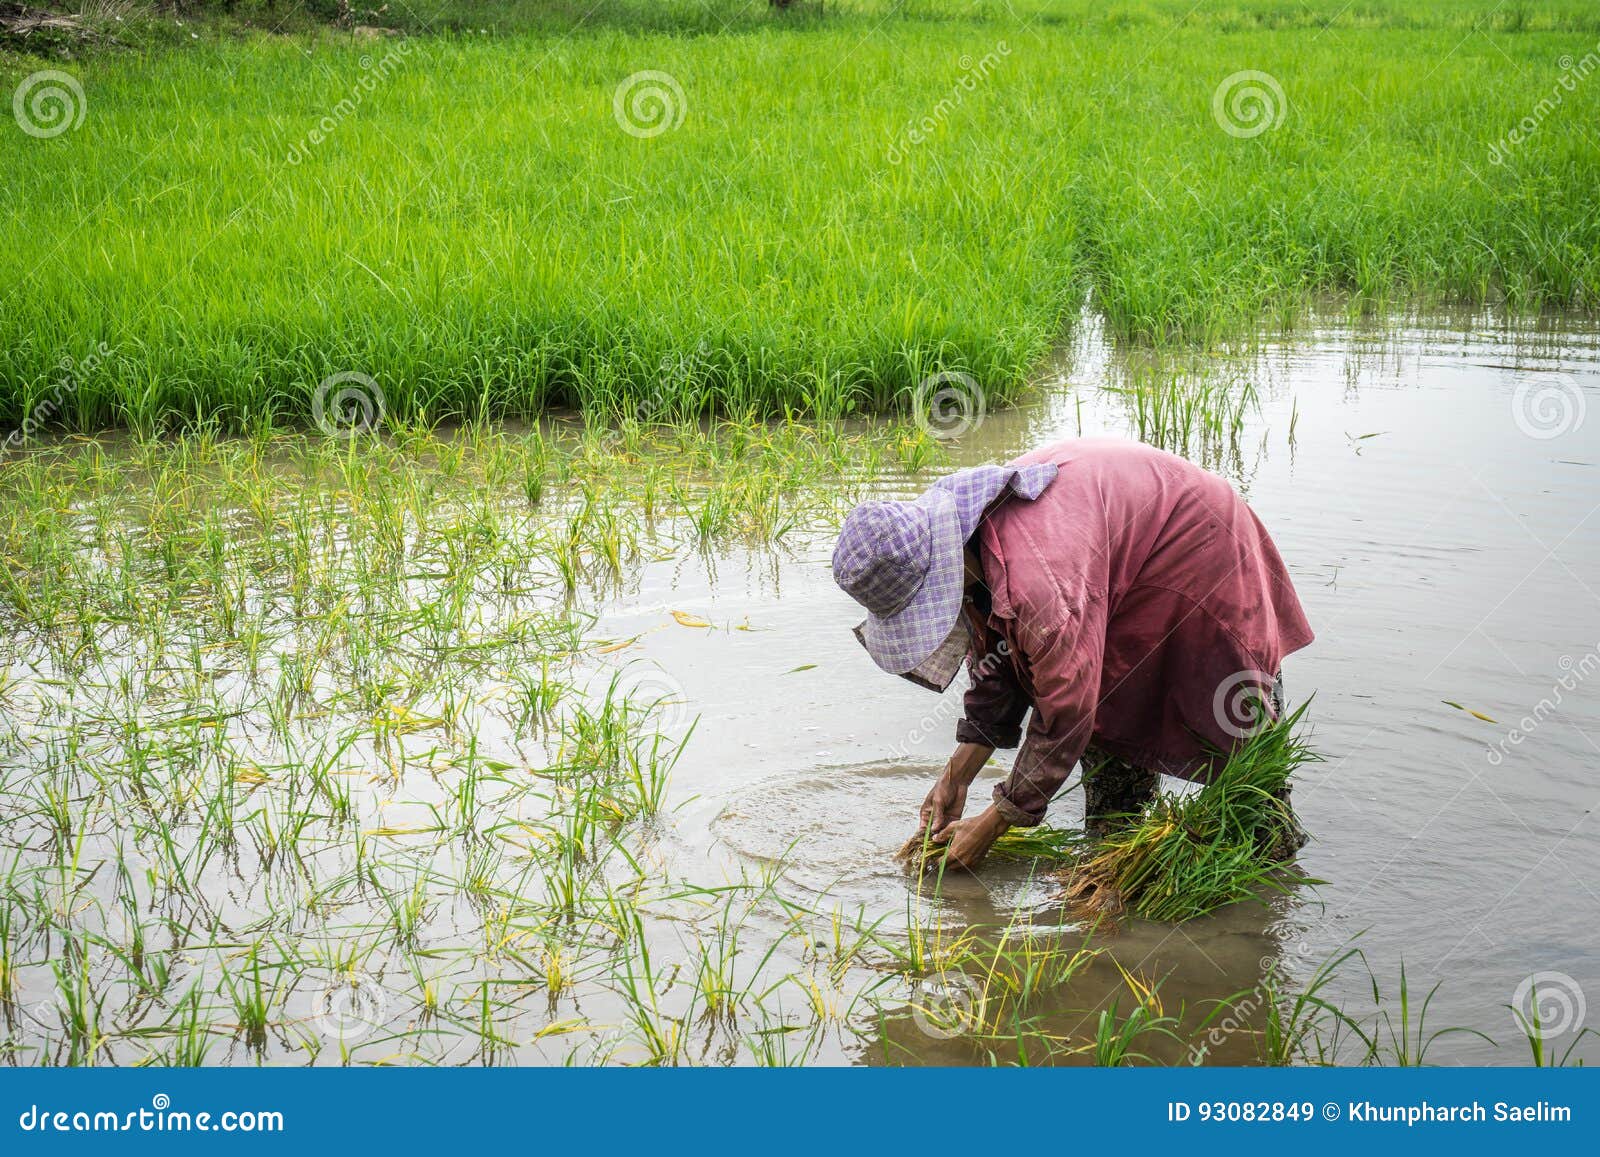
(810, 214)
(423, 445)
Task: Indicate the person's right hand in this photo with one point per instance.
(944, 804)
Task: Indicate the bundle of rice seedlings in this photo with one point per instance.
(1189, 855)
(1057, 845)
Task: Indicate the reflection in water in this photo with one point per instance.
(836, 831)
(1141, 964)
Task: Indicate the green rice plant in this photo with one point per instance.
(849, 940)
(1533, 1031)
(80, 1004)
(492, 1046)
(251, 999)
(408, 911)
(1041, 843)
(1297, 1025)
(640, 792)
(223, 285)
(1028, 962)
(714, 957)
(1401, 1037)
(1191, 854)
(783, 1046)
(1195, 415)
(9, 931)
(190, 1033)
(641, 983)
(1120, 1040)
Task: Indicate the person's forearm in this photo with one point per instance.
(968, 760)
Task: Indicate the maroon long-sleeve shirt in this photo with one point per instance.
(1136, 598)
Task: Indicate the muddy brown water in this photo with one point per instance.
(1435, 492)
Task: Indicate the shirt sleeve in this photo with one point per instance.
(995, 704)
(1065, 668)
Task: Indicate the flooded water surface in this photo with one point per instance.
(354, 833)
(1434, 494)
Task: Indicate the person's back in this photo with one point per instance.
(1124, 602)
(1143, 599)
(1167, 574)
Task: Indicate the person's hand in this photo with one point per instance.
(967, 842)
(944, 804)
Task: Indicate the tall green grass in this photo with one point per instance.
(837, 216)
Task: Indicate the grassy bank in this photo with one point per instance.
(836, 207)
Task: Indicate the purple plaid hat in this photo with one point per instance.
(902, 561)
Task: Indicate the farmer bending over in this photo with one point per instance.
(1129, 598)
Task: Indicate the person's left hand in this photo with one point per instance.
(968, 841)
